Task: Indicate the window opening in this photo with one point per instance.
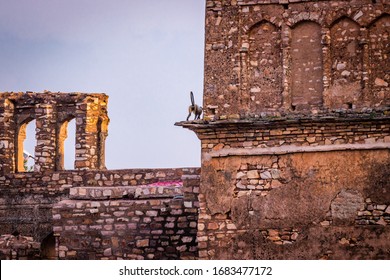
(66, 145)
(26, 147)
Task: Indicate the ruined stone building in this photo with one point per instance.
(88, 212)
(295, 152)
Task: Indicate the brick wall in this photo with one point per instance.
(295, 149)
(295, 136)
(317, 130)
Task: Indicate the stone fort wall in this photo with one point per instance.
(321, 195)
(88, 212)
(153, 221)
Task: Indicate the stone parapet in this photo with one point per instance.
(133, 192)
(27, 197)
(155, 221)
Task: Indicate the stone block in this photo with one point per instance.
(345, 206)
(253, 174)
(107, 252)
(265, 175)
(142, 243)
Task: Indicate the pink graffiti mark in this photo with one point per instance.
(167, 184)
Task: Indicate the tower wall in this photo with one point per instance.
(296, 130)
(278, 57)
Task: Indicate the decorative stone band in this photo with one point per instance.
(292, 149)
(130, 192)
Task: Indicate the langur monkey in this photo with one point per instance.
(193, 108)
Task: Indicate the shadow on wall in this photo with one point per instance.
(379, 183)
(48, 247)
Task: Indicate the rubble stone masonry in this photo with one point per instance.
(83, 211)
(273, 57)
(52, 112)
(303, 184)
(153, 221)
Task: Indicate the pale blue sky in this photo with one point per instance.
(146, 55)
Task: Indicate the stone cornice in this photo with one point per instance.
(287, 121)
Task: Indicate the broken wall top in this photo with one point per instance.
(30, 98)
(52, 113)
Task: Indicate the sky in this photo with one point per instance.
(146, 55)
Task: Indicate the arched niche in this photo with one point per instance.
(306, 66)
(346, 53)
(264, 67)
(379, 46)
(346, 65)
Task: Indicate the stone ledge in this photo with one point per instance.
(87, 204)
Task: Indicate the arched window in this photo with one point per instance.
(66, 145)
(25, 148)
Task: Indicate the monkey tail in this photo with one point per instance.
(192, 99)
